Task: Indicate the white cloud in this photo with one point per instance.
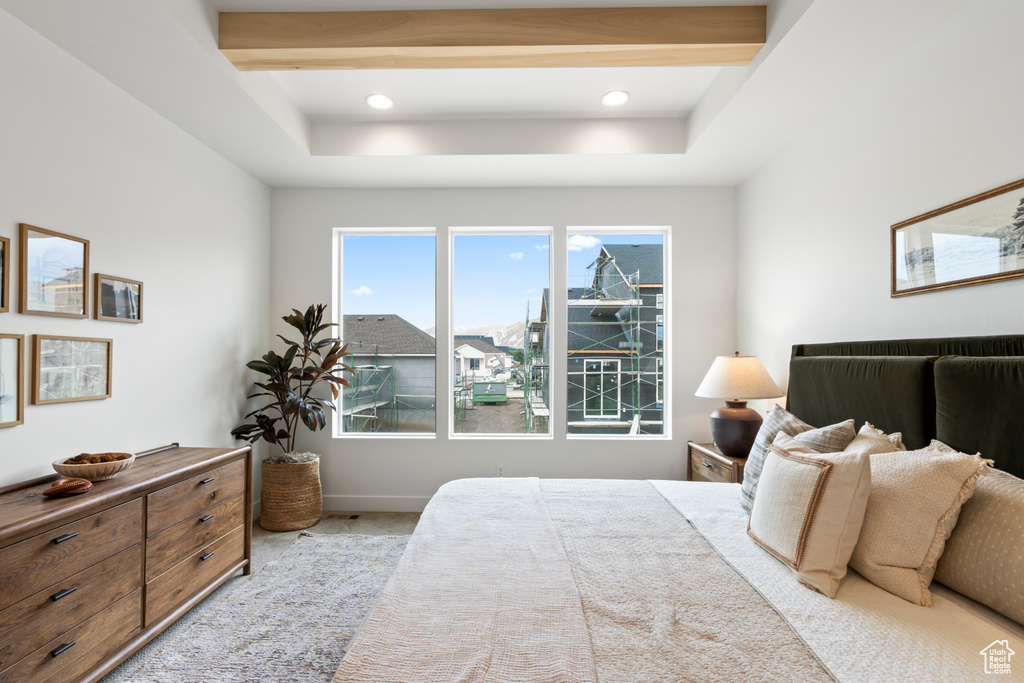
(516, 256)
(362, 291)
(581, 242)
(541, 246)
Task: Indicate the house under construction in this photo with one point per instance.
(615, 344)
(391, 387)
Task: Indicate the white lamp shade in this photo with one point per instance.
(738, 377)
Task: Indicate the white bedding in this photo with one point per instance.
(637, 582)
(865, 633)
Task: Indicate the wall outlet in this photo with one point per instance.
(499, 470)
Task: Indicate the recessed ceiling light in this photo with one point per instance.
(381, 102)
(615, 98)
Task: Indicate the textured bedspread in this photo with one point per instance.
(510, 580)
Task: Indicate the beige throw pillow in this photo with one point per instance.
(915, 501)
(809, 509)
(982, 559)
(870, 439)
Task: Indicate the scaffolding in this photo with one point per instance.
(621, 373)
(536, 411)
(380, 398)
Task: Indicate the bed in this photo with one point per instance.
(510, 580)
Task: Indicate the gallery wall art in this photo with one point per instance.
(54, 273)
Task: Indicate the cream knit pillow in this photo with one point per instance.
(870, 439)
(809, 509)
(914, 504)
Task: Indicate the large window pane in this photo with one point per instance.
(615, 332)
(500, 362)
(387, 294)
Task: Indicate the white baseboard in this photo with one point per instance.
(375, 503)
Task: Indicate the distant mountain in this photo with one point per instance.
(504, 335)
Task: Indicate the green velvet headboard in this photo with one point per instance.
(967, 392)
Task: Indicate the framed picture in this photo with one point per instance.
(70, 369)
(118, 299)
(5, 274)
(54, 273)
(979, 239)
(12, 379)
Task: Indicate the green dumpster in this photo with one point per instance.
(489, 392)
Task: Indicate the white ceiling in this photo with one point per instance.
(487, 127)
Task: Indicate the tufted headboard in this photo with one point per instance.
(967, 392)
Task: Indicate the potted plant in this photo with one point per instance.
(290, 497)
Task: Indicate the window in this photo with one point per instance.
(601, 389)
(615, 329)
(499, 278)
(386, 297)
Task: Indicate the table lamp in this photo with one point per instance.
(738, 379)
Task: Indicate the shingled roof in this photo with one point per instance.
(387, 333)
(478, 344)
(647, 258)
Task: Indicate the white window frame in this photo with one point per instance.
(665, 297)
(337, 297)
(601, 414)
(456, 231)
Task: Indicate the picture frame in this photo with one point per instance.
(976, 240)
(54, 274)
(12, 379)
(118, 299)
(70, 368)
(5, 274)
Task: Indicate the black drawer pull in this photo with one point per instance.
(707, 464)
(63, 594)
(207, 518)
(207, 481)
(65, 537)
(57, 650)
(204, 558)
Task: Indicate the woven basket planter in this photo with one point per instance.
(290, 498)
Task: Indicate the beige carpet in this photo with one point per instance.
(267, 547)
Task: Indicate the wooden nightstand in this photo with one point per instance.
(706, 463)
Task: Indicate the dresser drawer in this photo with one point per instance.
(94, 640)
(192, 574)
(705, 468)
(171, 546)
(39, 618)
(172, 504)
(35, 563)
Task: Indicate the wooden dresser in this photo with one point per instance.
(85, 581)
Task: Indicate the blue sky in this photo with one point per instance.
(496, 276)
(392, 274)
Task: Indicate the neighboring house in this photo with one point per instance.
(615, 344)
(392, 386)
(476, 358)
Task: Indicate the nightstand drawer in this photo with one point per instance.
(705, 468)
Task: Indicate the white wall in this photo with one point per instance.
(391, 473)
(940, 125)
(80, 156)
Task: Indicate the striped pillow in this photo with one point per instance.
(830, 439)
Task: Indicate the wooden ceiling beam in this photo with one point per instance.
(493, 38)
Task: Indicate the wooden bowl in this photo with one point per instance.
(99, 471)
